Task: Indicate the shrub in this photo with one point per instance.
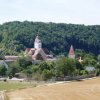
(5, 80)
(47, 74)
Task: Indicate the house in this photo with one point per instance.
(10, 58)
(80, 59)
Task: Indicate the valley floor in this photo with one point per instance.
(78, 90)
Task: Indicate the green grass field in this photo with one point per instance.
(9, 86)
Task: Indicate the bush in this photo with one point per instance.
(5, 80)
(83, 72)
(97, 72)
(47, 74)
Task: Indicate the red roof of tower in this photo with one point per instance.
(71, 51)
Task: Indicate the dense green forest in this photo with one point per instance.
(56, 38)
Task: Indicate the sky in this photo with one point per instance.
(59, 11)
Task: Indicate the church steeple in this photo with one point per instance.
(37, 43)
(71, 53)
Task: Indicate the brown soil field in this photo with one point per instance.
(78, 90)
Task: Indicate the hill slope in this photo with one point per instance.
(57, 38)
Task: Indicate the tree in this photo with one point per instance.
(3, 70)
(79, 65)
(98, 68)
(16, 36)
(89, 59)
(46, 65)
(28, 73)
(98, 57)
(13, 69)
(46, 74)
(65, 66)
(24, 62)
(2, 54)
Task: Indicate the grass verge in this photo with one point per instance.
(9, 86)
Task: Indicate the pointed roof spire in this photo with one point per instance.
(71, 52)
(37, 39)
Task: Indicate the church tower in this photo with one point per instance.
(71, 53)
(37, 43)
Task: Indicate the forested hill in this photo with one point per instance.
(57, 38)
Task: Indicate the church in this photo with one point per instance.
(37, 53)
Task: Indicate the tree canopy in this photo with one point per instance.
(56, 37)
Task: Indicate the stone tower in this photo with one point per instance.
(71, 53)
(37, 43)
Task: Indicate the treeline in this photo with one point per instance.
(56, 38)
(45, 70)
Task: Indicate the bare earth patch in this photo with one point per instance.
(80, 90)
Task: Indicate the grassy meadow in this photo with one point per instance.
(10, 86)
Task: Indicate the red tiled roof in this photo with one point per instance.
(37, 51)
(28, 49)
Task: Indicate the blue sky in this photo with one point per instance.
(60, 11)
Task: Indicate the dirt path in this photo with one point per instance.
(1, 95)
(81, 90)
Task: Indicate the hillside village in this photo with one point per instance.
(59, 50)
(38, 51)
(36, 60)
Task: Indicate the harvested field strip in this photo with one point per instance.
(80, 90)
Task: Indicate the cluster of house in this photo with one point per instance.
(38, 53)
